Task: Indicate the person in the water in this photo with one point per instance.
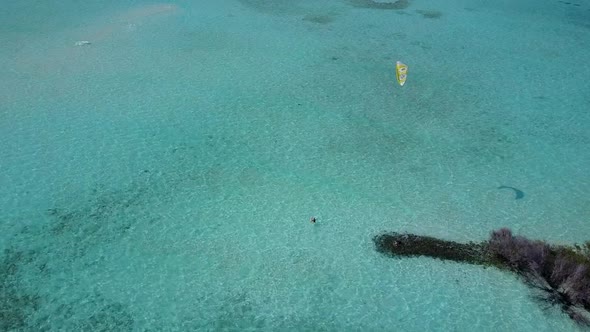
(312, 220)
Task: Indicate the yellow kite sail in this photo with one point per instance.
(401, 72)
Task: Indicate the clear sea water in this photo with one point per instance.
(162, 177)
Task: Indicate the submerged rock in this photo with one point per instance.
(397, 244)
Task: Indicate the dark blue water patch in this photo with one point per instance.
(319, 18)
(24, 306)
(429, 14)
(518, 194)
(389, 5)
(16, 303)
(38, 253)
(570, 3)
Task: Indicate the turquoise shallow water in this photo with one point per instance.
(162, 178)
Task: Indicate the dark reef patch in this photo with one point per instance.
(17, 303)
(560, 274)
(43, 252)
(96, 221)
(570, 3)
(408, 245)
(396, 5)
(319, 19)
(431, 14)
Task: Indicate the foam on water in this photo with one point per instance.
(162, 177)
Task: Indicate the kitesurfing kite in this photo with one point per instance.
(401, 72)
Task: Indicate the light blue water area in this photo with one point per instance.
(162, 177)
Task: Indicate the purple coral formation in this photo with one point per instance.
(518, 252)
(561, 272)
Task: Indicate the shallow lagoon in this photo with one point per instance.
(162, 177)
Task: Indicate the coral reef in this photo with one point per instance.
(561, 273)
